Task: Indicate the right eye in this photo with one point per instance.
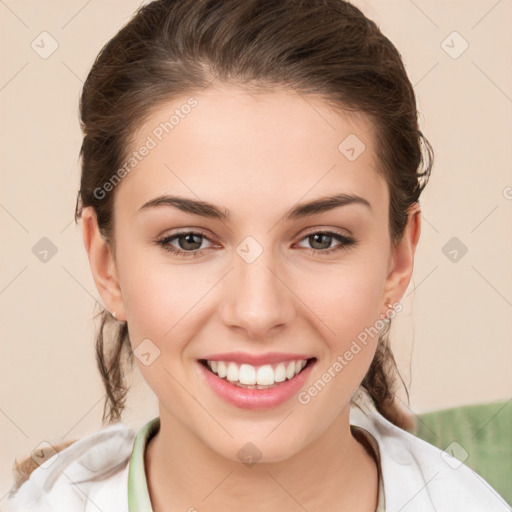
(188, 240)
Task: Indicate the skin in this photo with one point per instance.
(243, 151)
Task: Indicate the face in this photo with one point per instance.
(254, 277)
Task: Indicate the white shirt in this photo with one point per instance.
(415, 476)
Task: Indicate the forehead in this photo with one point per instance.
(232, 144)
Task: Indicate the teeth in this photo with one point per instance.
(248, 375)
(221, 368)
(290, 370)
(264, 377)
(232, 373)
(256, 377)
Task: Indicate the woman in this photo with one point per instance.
(251, 174)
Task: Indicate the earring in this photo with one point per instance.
(114, 314)
(384, 316)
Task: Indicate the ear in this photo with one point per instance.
(103, 265)
(402, 257)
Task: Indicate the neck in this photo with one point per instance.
(334, 472)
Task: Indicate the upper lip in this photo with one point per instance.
(257, 359)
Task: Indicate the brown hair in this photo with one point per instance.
(327, 48)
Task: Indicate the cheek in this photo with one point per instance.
(161, 301)
(157, 295)
(346, 299)
(158, 300)
(346, 306)
(346, 303)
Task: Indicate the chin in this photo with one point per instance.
(256, 449)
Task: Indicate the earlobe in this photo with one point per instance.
(403, 256)
(103, 266)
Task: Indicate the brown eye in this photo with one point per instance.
(320, 241)
(189, 243)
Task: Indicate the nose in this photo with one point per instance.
(256, 298)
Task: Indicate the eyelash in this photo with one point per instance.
(165, 243)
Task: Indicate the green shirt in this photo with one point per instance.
(138, 494)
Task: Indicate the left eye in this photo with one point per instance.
(324, 239)
(190, 242)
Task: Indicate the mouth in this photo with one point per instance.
(256, 387)
(249, 376)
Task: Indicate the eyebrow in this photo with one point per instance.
(209, 210)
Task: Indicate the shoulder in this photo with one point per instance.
(89, 473)
(418, 476)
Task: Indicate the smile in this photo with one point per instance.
(256, 387)
(256, 377)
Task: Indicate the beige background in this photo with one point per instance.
(453, 336)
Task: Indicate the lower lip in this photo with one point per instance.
(256, 398)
